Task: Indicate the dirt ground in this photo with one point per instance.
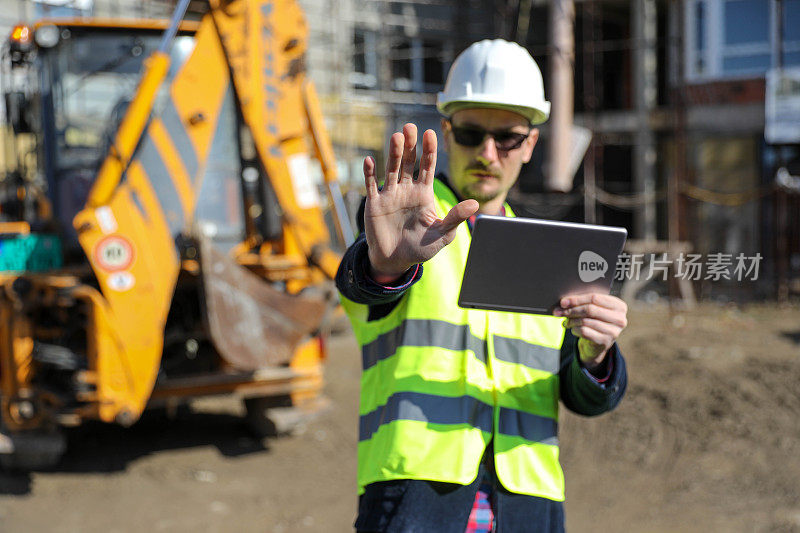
(707, 439)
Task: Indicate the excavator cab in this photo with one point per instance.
(84, 78)
(73, 84)
(161, 237)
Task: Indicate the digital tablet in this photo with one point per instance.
(525, 265)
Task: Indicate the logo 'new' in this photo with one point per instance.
(591, 266)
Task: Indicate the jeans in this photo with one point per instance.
(416, 506)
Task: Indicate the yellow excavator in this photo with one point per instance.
(162, 235)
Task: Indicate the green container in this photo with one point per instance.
(30, 253)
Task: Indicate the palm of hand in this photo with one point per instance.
(404, 227)
(401, 224)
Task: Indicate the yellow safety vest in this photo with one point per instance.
(439, 382)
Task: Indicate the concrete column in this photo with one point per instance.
(645, 86)
(562, 60)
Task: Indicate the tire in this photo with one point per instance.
(32, 450)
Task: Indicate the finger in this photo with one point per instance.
(369, 177)
(596, 312)
(427, 164)
(458, 214)
(603, 300)
(606, 328)
(409, 152)
(393, 161)
(585, 332)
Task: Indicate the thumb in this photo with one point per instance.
(459, 214)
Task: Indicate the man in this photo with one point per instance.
(458, 410)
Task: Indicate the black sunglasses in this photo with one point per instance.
(472, 136)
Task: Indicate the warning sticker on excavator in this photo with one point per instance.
(105, 219)
(121, 281)
(305, 190)
(113, 253)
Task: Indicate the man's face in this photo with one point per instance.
(486, 172)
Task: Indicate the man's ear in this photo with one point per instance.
(445, 133)
(528, 145)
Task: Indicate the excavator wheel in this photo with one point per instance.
(31, 450)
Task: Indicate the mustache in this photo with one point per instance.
(478, 167)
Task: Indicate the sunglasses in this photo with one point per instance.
(471, 136)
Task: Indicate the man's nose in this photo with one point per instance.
(488, 150)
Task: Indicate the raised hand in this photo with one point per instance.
(401, 224)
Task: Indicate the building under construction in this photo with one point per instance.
(670, 93)
(658, 105)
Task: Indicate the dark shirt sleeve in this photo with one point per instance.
(354, 282)
(583, 393)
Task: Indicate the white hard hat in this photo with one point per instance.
(497, 74)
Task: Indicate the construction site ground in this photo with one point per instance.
(707, 439)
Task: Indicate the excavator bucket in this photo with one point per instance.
(254, 325)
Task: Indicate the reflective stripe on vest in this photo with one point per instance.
(415, 332)
(458, 410)
(440, 382)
